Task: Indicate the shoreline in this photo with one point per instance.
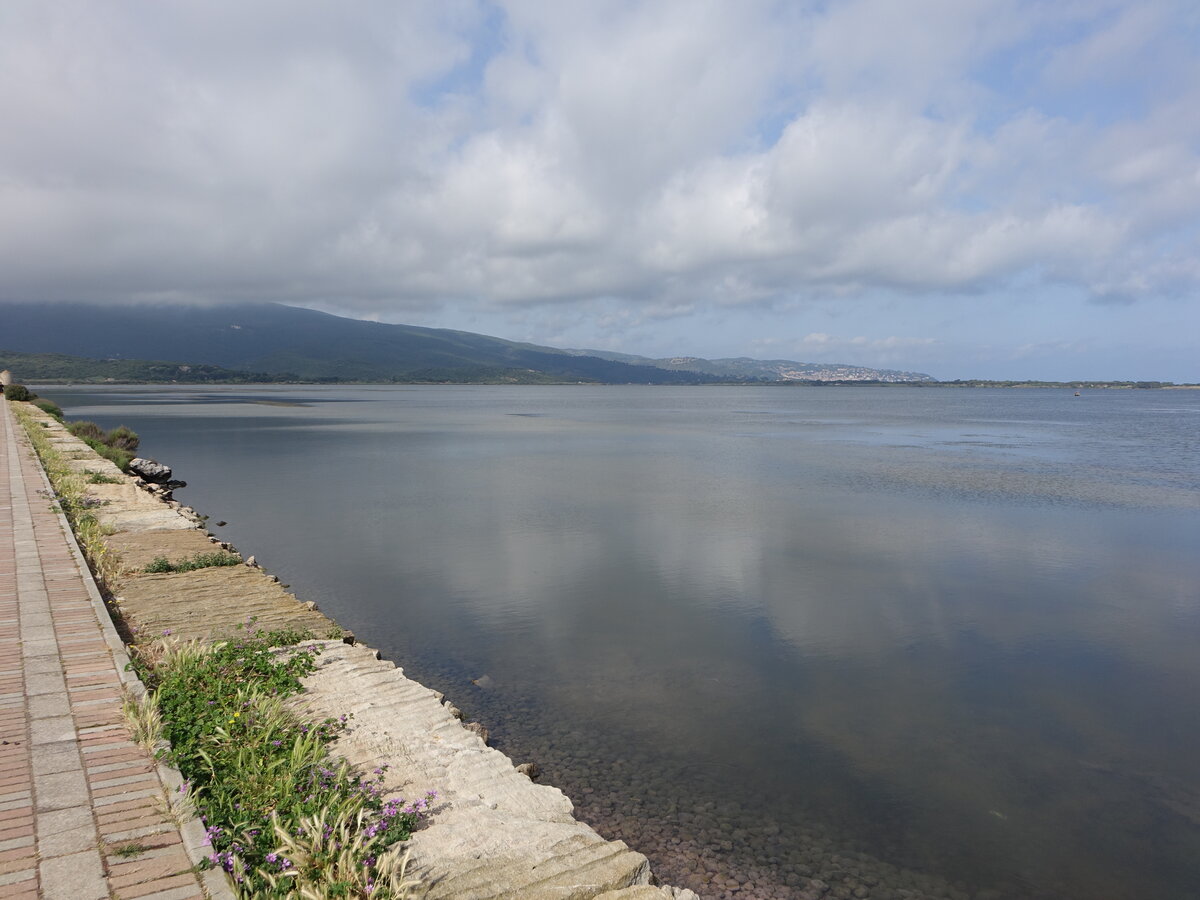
(496, 832)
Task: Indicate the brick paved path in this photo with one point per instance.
(74, 788)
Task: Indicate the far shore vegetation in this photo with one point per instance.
(54, 369)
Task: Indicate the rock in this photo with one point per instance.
(478, 729)
(222, 522)
(150, 470)
(483, 681)
(454, 711)
(252, 562)
(530, 770)
(307, 604)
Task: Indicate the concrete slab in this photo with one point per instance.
(77, 876)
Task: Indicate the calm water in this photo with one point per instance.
(938, 641)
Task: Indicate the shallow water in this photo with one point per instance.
(911, 642)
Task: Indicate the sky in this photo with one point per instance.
(966, 188)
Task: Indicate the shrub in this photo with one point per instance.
(120, 458)
(160, 565)
(123, 438)
(16, 392)
(49, 406)
(86, 431)
(117, 445)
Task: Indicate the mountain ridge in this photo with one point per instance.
(769, 369)
(304, 344)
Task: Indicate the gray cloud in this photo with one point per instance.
(671, 156)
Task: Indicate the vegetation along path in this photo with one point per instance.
(82, 806)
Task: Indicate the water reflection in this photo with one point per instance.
(953, 630)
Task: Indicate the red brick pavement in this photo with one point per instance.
(74, 787)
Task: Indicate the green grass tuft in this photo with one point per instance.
(162, 565)
(127, 850)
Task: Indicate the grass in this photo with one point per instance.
(70, 494)
(49, 406)
(125, 851)
(283, 818)
(101, 478)
(200, 561)
(117, 445)
(144, 721)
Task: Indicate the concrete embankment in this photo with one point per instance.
(495, 832)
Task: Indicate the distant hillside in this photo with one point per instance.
(58, 367)
(270, 342)
(745, 368)
(302, 344)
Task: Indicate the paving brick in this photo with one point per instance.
(125, 811)
(60, 705)
(136, 785)
(17, 853)
(23, 864)
(20, 884)
(174, 862)
(79, 876)
(163, 889)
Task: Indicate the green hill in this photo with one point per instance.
(285, 343)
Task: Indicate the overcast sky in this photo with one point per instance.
(990, 188)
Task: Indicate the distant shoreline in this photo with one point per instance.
(960, 383)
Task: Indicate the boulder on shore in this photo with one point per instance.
(150, 470)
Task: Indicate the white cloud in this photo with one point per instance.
(673, 157)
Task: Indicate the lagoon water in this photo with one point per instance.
(935, 641)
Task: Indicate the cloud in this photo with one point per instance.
(820, 346)
(666, 157)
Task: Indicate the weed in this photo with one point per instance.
(127, 850)
(144, 720)
(323, 857)
(117, 445)
(122, 438)
(71, 498)
(101, 478)
(86, 431)
(49, 406)
(282, 818)
(160, 565)
(200, 561)
(179, 806)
